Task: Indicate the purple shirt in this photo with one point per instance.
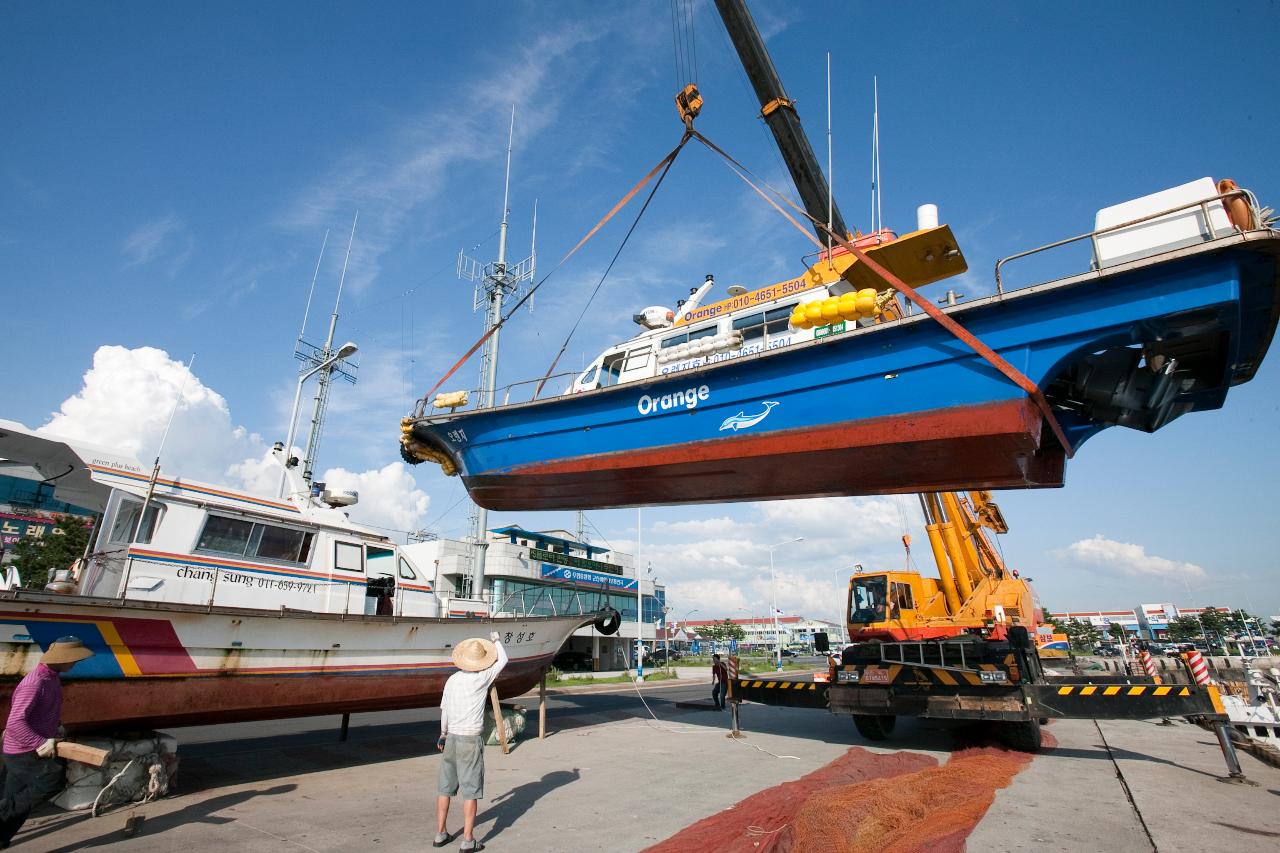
(35, 711)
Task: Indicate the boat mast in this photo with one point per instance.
(313, 357)
(494, 282)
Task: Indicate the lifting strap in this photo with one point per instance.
(664, 164)
(964, 335)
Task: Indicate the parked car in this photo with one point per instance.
(571, 661)
(790, 653)
(1108, 651)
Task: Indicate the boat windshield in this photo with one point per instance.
(867, 600)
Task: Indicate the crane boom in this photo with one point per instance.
(779, 113)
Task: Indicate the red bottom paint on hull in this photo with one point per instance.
(989, 446)
(103, 705)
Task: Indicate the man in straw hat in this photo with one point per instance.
(461, 720)
(32, 773)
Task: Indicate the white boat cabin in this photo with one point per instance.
(207, 545)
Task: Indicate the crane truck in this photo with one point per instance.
(960, 646)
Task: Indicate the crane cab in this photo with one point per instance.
(895, 606)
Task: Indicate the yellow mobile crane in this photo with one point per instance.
(974, 592)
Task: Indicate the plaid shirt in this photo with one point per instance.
(35, 711)
(462, 705)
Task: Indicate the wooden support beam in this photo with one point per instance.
(84, 754)
(499, 724)
(542, 705)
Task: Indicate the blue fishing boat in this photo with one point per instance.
(830, 384)
(800, 390)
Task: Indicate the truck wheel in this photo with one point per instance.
(1022, 736)
(875, 726)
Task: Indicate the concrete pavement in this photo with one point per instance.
(611, 778)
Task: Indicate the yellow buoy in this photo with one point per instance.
(867, 304)
(830, 310)
(813, 312)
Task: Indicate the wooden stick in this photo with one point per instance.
(542, 705)
(79, 752)
(498, 722)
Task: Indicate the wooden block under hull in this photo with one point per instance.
(989, 446)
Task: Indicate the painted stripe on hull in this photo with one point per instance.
(988, 446)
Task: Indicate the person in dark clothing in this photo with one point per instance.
(32, 772)
(719, 681)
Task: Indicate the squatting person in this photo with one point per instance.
(32, 772)
(461, 720)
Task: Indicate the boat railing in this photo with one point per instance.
(1207, 232)
(509, 393)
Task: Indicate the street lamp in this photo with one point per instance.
(773, 591)
(345, 350)
(685, 622)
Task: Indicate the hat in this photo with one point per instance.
(66, 650)
(474, 655)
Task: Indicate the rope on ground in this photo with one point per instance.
(107, 787)
(692, 730)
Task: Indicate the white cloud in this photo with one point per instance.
(389, 497)
(151, 240)
(125, 403)
(698, 526)
(1106, 554)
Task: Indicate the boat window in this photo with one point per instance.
(225, 535)
(127, 519)
(867, 600)
(751, 326)
(348, 557)
(589, 377)
(244, 538)
(282, 543)
(704, 332)
(406, 570)
(611, 369)
(637, 358)
(778, 320)
(380, 560)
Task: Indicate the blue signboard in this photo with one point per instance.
(733, 646)
(566, 573)
(695, 647)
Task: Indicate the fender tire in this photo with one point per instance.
(608, 622)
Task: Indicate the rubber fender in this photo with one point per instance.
(407, 456)
(608, 622)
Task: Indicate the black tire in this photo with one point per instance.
(407, 456)
(608, 622)
(1022, 736)
(875, 726)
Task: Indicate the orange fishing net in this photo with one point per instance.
(863, 801)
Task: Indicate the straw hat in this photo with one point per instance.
(474, 655)
(66, 650)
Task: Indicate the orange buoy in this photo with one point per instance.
(1238, 210)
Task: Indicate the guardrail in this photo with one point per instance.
(1092, 236)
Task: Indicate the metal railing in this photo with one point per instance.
(949, 655)
(1092, 236)
(474, 395)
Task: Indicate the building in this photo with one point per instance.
(1146, 621)
(28, 509)
(794, 630)
(545, 572)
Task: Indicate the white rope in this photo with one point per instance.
(114, 779)
(688, 730)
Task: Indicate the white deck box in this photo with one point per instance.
(1184, 228)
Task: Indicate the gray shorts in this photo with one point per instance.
(462, 770)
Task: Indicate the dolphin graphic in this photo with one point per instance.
(742, 421)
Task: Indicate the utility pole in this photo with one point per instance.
(494, 282)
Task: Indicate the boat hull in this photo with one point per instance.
(900, 407)
(175, 665)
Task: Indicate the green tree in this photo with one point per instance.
(1214, 621)
(1082, 635)
(62, 546)
(1185, 629)
(732, 630)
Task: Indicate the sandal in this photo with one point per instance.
(443, 838)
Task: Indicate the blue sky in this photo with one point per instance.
(168, 172)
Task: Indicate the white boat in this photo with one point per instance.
(221, 605)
